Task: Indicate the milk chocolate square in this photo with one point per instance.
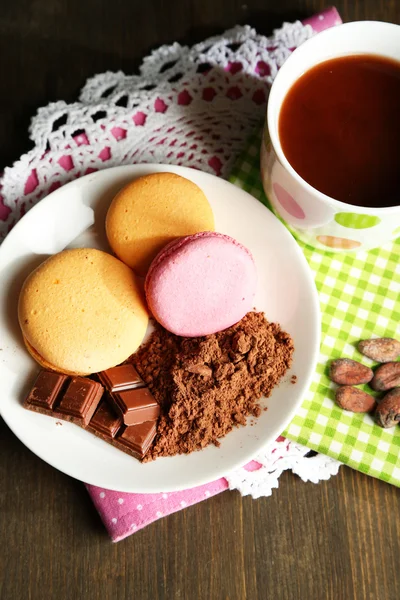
(80, 400)
(118, 379)
(137, 439)
(105, 422)
(45, 392)
(137, 406)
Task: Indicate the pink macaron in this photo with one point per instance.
(201, 284)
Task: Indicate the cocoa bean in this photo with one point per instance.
(355, 400)
(386, 377)
(345, 371)
(382, 350)
(388, 410)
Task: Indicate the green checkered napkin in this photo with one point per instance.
(360, 298)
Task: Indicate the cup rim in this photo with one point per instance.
(273, 131)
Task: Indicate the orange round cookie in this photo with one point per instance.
(82, 311)
(152, 211)
(44, 364)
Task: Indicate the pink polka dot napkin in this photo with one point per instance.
(122, 513)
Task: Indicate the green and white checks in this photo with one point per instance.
(360, 298)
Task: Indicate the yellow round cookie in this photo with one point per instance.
(152, 211)
(82, 311)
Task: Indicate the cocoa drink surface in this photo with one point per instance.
(208, 385)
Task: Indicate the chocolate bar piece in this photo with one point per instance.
(105, 423)
(137, 406)
(45, 392)
(132, 399)
(118, 379)
(134, 440)
(80, 400)
(137, 439)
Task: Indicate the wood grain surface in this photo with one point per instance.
(339, 540)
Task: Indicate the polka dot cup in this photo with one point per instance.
(315, 218)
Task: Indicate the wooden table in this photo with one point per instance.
(336, 540)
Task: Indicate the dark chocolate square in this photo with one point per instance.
(137, 406)
(80, 400)
(118, 379)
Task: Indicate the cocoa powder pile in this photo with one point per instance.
(208, 385)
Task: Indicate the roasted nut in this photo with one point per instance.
(355, 400)
(345, 371)
(388, 410)
(386, 377)
(382, 350)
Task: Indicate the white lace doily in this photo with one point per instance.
(262, 475)
(188, 106)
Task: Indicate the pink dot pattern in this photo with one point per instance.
(124, 514)
(287, 202)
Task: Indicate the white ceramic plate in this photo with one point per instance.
(73, 216)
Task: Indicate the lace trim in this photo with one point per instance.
(190, 106)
